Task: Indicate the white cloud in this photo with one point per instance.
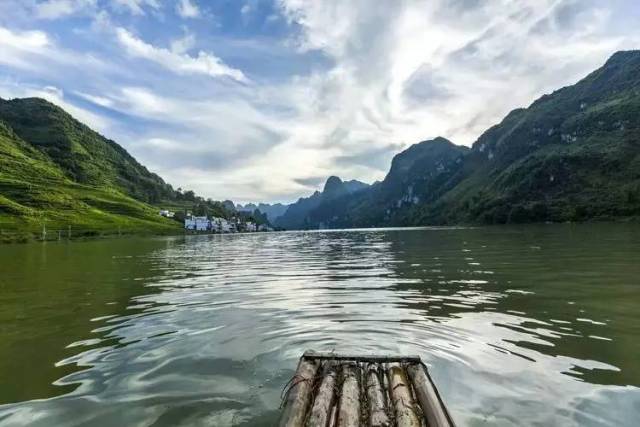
(411, 70)
(98, 100)
(183, 44)
(187, 9)
(16, 47)
(376, 77)
(135, 7)
(9, 90)
(24, 40)
(54, 9)
(204, 63)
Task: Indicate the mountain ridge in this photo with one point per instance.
(572, 155)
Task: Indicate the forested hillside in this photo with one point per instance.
(573, 155)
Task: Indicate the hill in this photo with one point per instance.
(84, 156)
(57, 173)
(35, 193)
(298, 214)
(573, 155)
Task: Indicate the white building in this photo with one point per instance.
(197, 223)
(167, 214)
(220, 225)
(250, 226)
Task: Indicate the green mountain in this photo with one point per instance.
(84, 156)
(56, 174)
(573, 155)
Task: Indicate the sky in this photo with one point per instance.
(262, 100)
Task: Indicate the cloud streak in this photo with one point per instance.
(203, 63)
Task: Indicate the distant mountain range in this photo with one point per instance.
(573, 155)
(301, 213)
(273, 212)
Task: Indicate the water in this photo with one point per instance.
(535, 325)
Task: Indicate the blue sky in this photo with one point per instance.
(261, 100)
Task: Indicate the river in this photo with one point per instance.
(530, 325)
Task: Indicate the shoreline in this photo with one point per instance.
(10, 237)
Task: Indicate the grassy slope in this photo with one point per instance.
(34, 190)
(84, 156)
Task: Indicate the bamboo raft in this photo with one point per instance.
(332, 390)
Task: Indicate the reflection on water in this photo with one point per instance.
(535, 325)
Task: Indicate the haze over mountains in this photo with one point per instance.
(573, 155)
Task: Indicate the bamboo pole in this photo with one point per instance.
(428, 397)
(334, 415)
(349, 411)
(401, 397)
(377, 407)
(321, 409)
(299, 395)
(370, 358)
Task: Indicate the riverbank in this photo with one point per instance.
(13, 236)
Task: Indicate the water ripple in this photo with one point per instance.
(219, 321)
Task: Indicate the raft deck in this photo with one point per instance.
(333, 390)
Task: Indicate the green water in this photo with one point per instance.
(532, 325)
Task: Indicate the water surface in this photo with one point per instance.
(533, 325)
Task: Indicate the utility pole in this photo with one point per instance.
(69, 233)
(44, 231)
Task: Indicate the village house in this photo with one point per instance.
(221, 225)
(197, 223)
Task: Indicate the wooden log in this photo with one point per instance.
(299, 395)
(369, 358)
(333, 420)
(321, 410)
(430, 402)
(401, 398)
(377, 403)
(349, 411)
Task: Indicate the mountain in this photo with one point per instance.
(57, 173)
(573, 155)
(297, 214)
(35, 191)
(417, 175)
(84, 156)
(273, 211)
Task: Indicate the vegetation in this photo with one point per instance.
(573, 155)
(36, 194)
(59, 176)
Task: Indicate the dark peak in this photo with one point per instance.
(431, 145)
(31, 101)
(437, 141)
(333, 183)
(623, 56)
(229, 205)
(440, 140)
